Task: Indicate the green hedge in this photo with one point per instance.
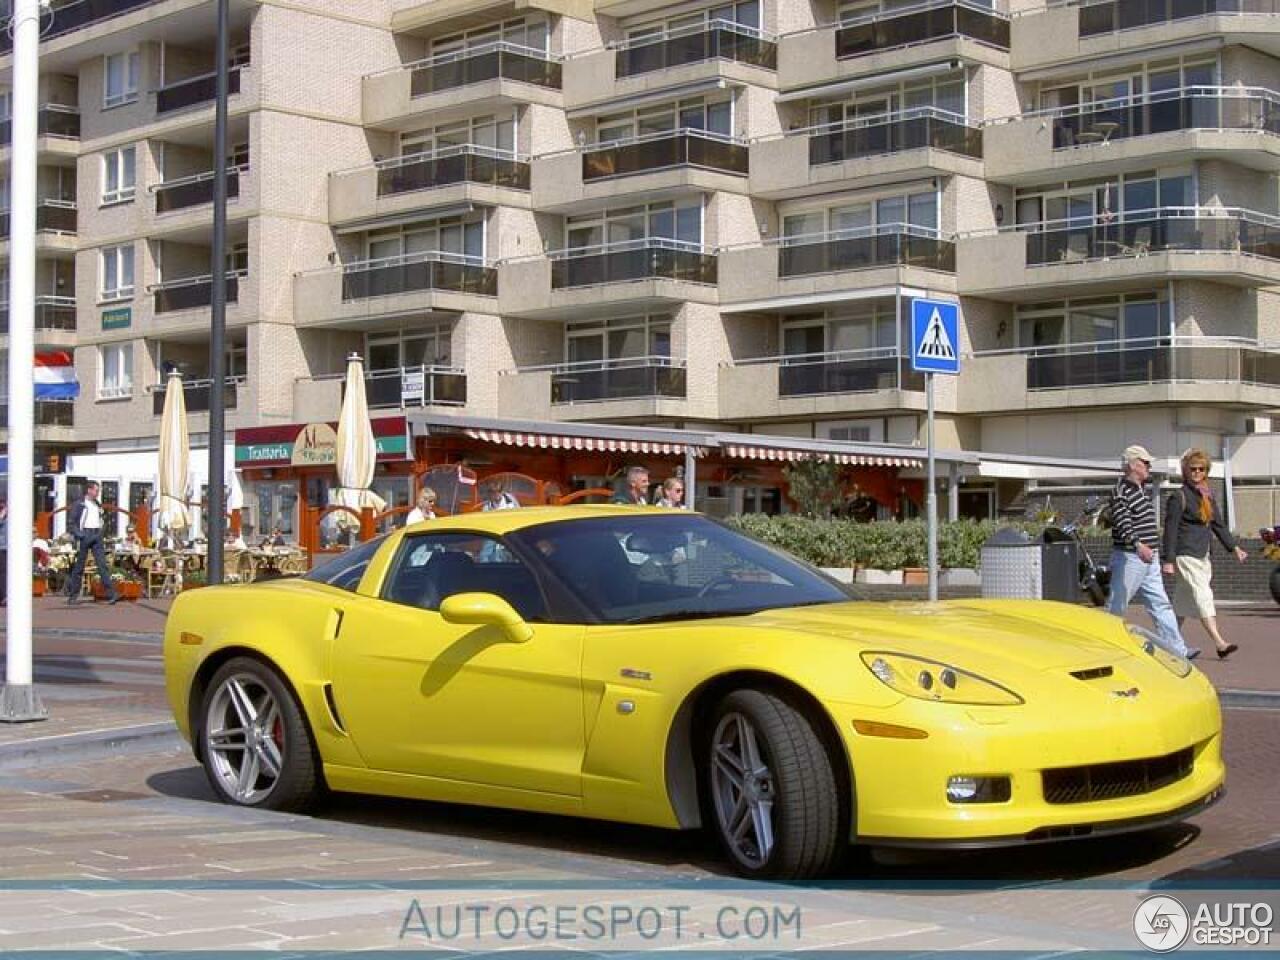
(879, 546)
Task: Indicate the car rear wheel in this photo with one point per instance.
(771, 789)
(256, 746)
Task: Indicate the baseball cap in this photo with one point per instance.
(1136, 451)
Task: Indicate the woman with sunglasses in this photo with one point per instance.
(425, 508)
(1191, 514)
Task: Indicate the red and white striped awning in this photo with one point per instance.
(551, 441)
(790, 455)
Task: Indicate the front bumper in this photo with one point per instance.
(900, 784)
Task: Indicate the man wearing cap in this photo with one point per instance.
(1135, 567)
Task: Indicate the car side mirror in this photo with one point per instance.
(486, 609)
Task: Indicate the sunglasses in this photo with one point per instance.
(1196, 470)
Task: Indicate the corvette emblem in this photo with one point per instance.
(1130, 693)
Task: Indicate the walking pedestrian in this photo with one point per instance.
(1191, 513)
(1135, 564)
(84, 523)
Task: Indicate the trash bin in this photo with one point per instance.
(1011, 566)
(1060, 570)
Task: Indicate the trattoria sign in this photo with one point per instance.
(314, 444)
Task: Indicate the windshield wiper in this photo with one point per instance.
(687, 614)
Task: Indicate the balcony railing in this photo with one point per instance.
(490, 61)
(916, 129)
(192, 292)
(1107, 16)
(52, 216)
(432, 270)
(197, 394)
(1166, 229)
(845, 371)
(1148, 361)
(923, 23)
(53, 120)
(48, 413)
(659, 151)
(193, 191)
(717, 40)
(1189, 108)
(73, 16)
(630, 378)
(195, 90)
(466, 163)
(647, 259)
(890, 244)
(52, 313)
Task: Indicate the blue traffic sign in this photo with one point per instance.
(935, 336)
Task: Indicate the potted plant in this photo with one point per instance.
(194, 579)
(39, 584)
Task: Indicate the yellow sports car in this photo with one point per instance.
(656, 667)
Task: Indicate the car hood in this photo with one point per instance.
(1031, 635)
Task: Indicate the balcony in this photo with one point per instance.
(53, 315)
(717, 40)
(195, 91)
(911, 143)
(831, 263)
(193, 191)
(630, 379)
(638, 273)
(1233, 246)
(474, 80)
(1152, 361)
(54, 120)
(461, 174)
(425, 271)
(1063, 32)
(923, 33)
(69, 17)
(198, 394)
(657, 164)
(52, 216)
(191, 293)
(1192, 120)
(847, 380)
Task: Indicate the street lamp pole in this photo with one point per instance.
(215, 505)
(19, 701)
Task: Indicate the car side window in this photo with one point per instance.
(347, 569)
(431, 567)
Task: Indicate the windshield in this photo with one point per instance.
(633, 568)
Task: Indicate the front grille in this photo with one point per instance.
(1106, 781)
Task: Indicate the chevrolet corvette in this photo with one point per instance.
(656, 667)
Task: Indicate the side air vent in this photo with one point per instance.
(333, 708)
(1097, 673)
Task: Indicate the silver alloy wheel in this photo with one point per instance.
(743, 790)
(244, 738)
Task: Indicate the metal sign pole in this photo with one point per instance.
(19, 701)
(215, 525)
(931, 494)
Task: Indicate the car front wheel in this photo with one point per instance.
(771, 788)
(256, 745)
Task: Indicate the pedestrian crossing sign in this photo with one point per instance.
(935, 336)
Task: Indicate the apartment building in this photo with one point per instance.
(678, 214)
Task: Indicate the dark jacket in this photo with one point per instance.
(74, 516)
(1185, 534)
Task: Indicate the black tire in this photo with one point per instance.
(1093, 589)
(807, 840)
(299, 784)
(1275, 584)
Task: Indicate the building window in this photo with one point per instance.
(120, 81)
(115, 371)
(530, 33)
(915, 212)
(6, 104)
(1094, 322)
(695, 114)
(495, 133)
(618, 339)
(119, 172)
(452, 235)
(869, 329)
(429, 347)
(680, 222)
(117, 272)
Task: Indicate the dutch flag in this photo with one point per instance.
(55, 376)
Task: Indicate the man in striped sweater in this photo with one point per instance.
(1135, 566)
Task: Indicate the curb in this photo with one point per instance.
(25, 753)
(90, 634)
(1250, 699)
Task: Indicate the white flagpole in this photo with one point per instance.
(19, 701)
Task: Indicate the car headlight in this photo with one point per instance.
(931, 680)
(1178, 666)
